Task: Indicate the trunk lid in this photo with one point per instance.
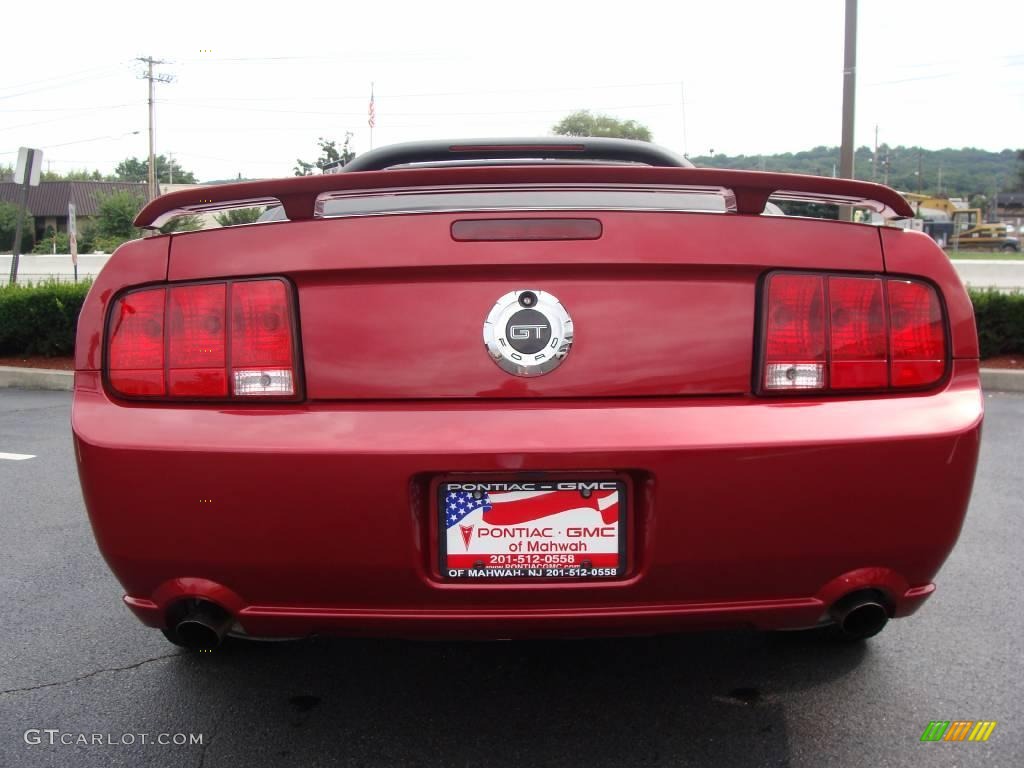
(393, 307)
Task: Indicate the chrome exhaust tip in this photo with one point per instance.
(203, 626)
(860, 616)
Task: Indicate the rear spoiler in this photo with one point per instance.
(746, 192)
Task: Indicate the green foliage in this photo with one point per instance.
(809, 210)
(329, 155)
(80, 175)
(8, 224)
(114, 223)
(86, 240)
(585, 123)
(1000, 319)
(186, 223)
(237, 216)
(965, 172)
(134, 169)
(40, 319)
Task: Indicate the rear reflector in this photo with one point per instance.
(191, 323)
(881, 333)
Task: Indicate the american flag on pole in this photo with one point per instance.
(371, 112)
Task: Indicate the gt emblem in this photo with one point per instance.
(524, 331)
(528, 333)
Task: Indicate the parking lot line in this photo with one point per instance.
(16, 456)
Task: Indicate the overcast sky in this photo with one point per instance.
(736, 77)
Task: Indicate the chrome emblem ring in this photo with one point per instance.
(528, 333)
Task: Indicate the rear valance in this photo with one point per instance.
(746, 192)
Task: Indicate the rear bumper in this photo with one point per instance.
(315, 518)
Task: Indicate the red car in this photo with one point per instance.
(524, 388)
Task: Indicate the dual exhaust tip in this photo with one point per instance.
(200, 626)
(860, 615)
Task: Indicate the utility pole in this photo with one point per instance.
(149, 61)
(919, 177)
(170, 168)
(849, 92)
(874, 158)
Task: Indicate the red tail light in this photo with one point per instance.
(794, 350)
(262, 358)
(136, 359)
(918, 339)
(191, 323)
(198, 341)
(881, 333)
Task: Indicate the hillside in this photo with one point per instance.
(965, 172)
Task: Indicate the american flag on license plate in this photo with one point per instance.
(517, 507)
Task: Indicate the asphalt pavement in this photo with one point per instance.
(74, 661)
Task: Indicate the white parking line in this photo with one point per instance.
(16, 456)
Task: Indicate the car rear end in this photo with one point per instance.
(717, 417)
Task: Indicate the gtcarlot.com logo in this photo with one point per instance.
(958, 730)
(55, 736)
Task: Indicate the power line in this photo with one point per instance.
(58, 85)
(69, 109)
(444, 113)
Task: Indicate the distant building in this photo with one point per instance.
(48, 202)
(1010, 207)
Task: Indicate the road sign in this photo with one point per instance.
(30, 162)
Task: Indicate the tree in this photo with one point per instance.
(186, 223)
(114, 225)
(86, 240)
(80, 175)
(237, 216)
(329, 154)
(585, 123)
(964, 171)
(134, 169)
(8, 223)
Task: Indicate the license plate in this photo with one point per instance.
(532, 530)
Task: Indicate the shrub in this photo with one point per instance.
(1000, 318)
(86, 241)
(41, 318)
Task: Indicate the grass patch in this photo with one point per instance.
(979, 255)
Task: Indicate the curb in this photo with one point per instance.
(994, 379)
(36, 378)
